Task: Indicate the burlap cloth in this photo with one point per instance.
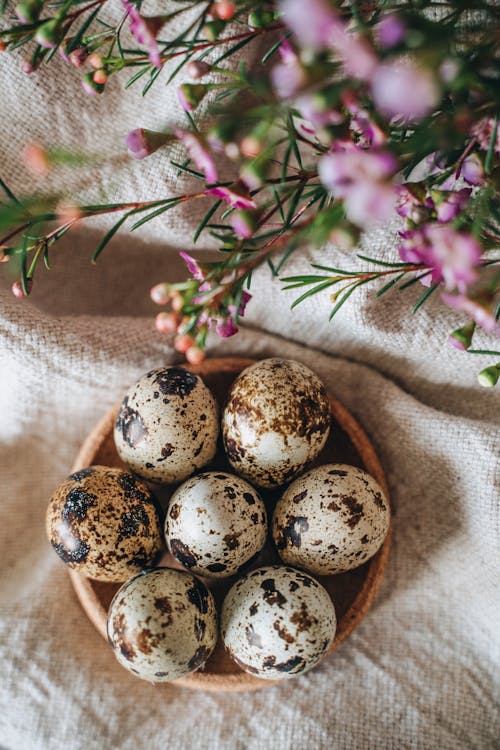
(422, 670)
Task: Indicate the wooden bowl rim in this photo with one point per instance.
(200, 680)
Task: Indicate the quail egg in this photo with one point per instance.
(276, 420)
(331, 519)
(104, 523)
(277, 622)
(162, 624)
(216, 524)
(167, 426)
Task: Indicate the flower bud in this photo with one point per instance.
(142, 142)
(78, 56)
(195, 355)
(250, 146)
(160, 294)
(177, 302)
(224, 9)
(259, 19)
(212, 29)
(28, 67)
(90, 86)
(489, 376)
(197, 69)
(183, 342)
(167, 322)
(244, 223)
(96, 61)
(100, 76)
(28, 11)
(4, 256)
(253, 174)
(18, 291)
(462, 337)
(48, 34)
(36, 159)
(3, 46)
(191, 94)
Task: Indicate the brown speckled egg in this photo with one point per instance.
(104, 523)
(167, 426)
(216, 524)
(331, 519)
(276, 420)
(277, 622)
(162, 624)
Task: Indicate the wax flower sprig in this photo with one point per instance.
(359, 113)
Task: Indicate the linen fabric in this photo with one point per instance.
(422, 669)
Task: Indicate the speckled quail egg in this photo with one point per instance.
(162, 624)
(276, 420)
(216, 524)
(167, 426)
(331, 519)
(277, 622)
(104, 523)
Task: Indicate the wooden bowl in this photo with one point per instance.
(352, 592)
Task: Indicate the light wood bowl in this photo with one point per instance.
(352, 592)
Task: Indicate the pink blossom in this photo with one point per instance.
(287, 78)
(483, 131)
(312, 108)
(452, 256)
(361, 179)
(141, 142)
(358, 59)
(402, 89)
(236, 196)
(244, 223)
(390, 30)
(225, 327)
(472, 170)
(192, 266)
(475, 309)
(312, 22)
(199, 152)
(451, 203)
(145, 31)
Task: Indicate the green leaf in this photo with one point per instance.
(171, 204)
(206, 219)
(274, 47)
(424, 297)
(383, 263)
(107, 237)
(310, 292)
(8, 192)
(83, 28)
(389, 284)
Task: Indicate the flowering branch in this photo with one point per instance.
(366, 111)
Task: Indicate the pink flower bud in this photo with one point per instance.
(160, 294)
(198, 68)
(96, 60)
(195, 355)
(36, 159)
(100, 76)
(18, 291)
(177, 302)
(78, 56)
(183, 342)
(190, 95)
(28, 67)
(224, 10)
(90, 86)
(167, 322)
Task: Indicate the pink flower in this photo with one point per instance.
(452, 256)
(475, 309)
(472, 170)
(287, 78)
(312, 22)
(483, 131)
(402, 89)
(199, 152)
(236, 196)
(225, 327)
(145, 31)
(358, 59)
(192, 266)
(316, 111)
(361, 179)
(390, 30)
(450, 204)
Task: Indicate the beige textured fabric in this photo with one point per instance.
(422, 670)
